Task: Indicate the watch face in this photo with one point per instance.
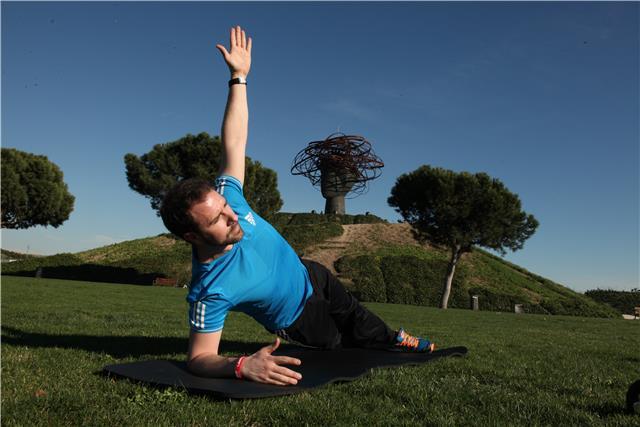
(238, 80)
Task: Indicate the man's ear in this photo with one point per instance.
(190, 237)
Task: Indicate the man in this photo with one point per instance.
(241, 263)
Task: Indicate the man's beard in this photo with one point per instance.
(236, 233)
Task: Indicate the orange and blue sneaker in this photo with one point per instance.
(409, 343)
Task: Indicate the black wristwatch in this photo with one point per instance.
(238, 80)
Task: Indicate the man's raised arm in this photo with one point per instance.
(235, 126)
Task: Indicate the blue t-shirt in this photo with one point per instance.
(261, 275)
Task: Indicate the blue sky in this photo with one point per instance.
(543, 96)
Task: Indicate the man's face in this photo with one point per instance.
(217, 223)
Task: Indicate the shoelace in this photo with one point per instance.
(409, 341)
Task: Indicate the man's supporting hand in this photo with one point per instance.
(264, 368)
(239, 57)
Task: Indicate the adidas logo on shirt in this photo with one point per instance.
(250, 219)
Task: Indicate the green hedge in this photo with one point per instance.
(623, 302)
(136, 262)
(283, 219)
(6, 255)
(362, 219)
(418, 280)
(28, 266)
(411, 280)
(571, 306)
(402, 279)
(364, 271)
(72, 267)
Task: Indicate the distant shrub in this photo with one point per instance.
(308, 218)
(283, 219)
(10, 255)
(361, 219)
(302, 236)
(28, 266)
(367, 278)
(577, 307)
(622, 301)
(280, 220)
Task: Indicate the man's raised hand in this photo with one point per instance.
(238, 58)
(264, 368)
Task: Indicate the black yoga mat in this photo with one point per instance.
(318, 368)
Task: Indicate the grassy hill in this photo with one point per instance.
(379, 262)
(521, 369)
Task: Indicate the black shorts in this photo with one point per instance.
(333, 318)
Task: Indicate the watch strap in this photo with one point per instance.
(238, 80)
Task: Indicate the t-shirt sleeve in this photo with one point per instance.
(208, 315)
(231, 189)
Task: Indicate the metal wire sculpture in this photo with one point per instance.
(341, 164)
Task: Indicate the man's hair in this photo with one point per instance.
(177, 202)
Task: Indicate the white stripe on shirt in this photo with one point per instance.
(202, 315)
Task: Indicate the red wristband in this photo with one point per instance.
(239, 366)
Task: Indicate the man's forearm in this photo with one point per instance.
(213, 365)
(235, 126)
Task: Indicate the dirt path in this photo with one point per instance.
(358, 238)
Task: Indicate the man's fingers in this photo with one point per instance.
(287, 372)
(223, 50)
(239, 38)
(232, 41)
(286, 360)
(284, 379)
(271, 347)
(275, 345)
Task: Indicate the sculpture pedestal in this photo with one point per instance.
(334, 206)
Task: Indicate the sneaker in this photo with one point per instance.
(409, 343)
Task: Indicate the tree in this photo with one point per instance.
(33, 191)
(155, 172)
(460, 210)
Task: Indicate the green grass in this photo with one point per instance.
(520, 370)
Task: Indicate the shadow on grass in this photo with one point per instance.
(118, 346)
(608, 409)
